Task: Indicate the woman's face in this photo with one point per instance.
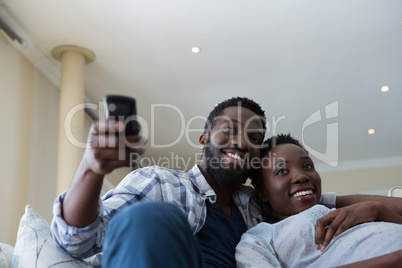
(291, 183)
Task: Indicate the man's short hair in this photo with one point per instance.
(235, 101)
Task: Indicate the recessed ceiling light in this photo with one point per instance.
(371, 131)
(195, 49)
(385, 88)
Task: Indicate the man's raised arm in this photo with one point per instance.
(392, 203)
(108, 149)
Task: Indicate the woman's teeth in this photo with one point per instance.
(302, 193)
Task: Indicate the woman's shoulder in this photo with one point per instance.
(262, 231)
(314, 213)
(309, 216)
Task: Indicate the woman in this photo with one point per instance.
(289, 183)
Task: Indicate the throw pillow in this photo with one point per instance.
(6, 255)
(35, 246)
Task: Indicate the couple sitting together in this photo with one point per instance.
(158, 217)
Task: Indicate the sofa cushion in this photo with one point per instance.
(35, 246)
(6, 255)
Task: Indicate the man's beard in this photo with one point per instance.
(221, 174)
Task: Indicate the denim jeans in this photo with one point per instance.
(150, 234)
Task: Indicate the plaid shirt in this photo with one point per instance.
(189, 191)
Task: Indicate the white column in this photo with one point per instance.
(71, 119)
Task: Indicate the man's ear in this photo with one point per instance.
(203, 140)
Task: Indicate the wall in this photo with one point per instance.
(362, 180)
(29, 108)
(29, 105)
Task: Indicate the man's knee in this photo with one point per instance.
(152, 234)
(149, 215)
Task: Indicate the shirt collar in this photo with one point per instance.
(244, 193)
(201, 183)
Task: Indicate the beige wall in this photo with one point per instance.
(29, 108)
(363, 180)
(29, 120)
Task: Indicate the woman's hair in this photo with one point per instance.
(268, 145)
(277, 140)
(257, 178)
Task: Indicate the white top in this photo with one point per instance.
(290, 243)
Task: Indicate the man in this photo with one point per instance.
(210, 201)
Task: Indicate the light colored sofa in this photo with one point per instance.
(36, 248)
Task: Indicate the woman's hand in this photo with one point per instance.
(341, 219)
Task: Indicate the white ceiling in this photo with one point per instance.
(292, 57)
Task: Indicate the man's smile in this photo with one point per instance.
(235, 156)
